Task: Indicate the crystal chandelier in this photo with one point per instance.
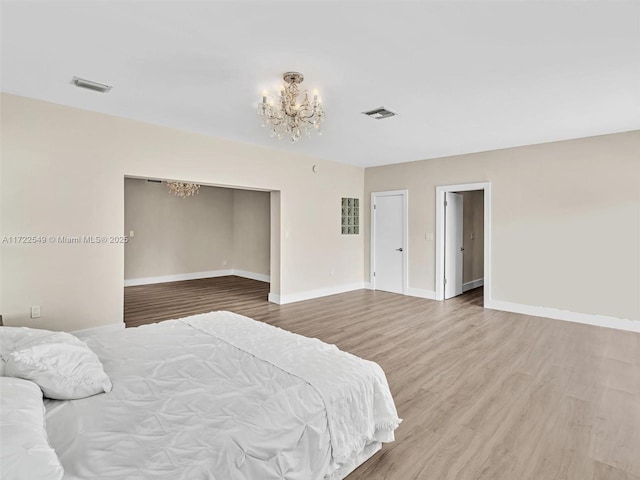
(288, 118)
(183, 189)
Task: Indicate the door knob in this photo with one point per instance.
(462, 249)
(400, 249)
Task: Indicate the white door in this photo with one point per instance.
(453, 251)
(389, 242)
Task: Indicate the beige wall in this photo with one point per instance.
(566, 220)
(251, 231)
(566, 215)
(62, 174)
(217, 229)
(473, 226)
(176, 235)
(276, 243)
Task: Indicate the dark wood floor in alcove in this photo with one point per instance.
(483, 394)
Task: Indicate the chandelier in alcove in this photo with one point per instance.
(287, 117)
(183, 189)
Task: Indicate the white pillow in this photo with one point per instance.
(12, 336)
(24, 449)
(63, 366)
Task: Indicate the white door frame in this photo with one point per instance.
(440, 217)
(405, 246)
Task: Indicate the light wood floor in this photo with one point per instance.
(483, 394)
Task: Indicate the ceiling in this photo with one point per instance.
(464, 77)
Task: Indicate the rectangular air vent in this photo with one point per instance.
(90, 85)
(380, 113)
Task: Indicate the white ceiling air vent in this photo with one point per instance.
(380, 113)
(90, 85)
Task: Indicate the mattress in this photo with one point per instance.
(221, 396)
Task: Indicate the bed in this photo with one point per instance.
(221, 396)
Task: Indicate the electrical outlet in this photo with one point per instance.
(224, 263)
(35, 311)
(132, 233)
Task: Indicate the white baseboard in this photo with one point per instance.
(274, 298)
(418, 292)
(320, 292)
(176, 278)
(586, 318)
(472, 284)
(196, 275)
(252, 275)
(88, 332)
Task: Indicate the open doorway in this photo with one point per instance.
(188, 254)
(463, 240)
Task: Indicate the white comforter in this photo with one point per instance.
(220, 396)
